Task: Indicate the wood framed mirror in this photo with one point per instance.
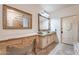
(43, 24)
(16, 19)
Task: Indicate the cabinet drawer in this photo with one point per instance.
(11, 42)
(28, 40)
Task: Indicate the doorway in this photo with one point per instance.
(69, 29)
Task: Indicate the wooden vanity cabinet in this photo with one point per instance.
(14, 41)
(45, 41)
(41, 42)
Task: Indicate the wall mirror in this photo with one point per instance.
(16, 19)
(43, 24)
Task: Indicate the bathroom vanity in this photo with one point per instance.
(42, 42)
(46, 40)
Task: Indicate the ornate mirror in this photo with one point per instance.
(16, 19)
(43, 24)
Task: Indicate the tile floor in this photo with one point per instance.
(47, 50)
(63, 49)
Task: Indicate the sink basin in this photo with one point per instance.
(45, 33)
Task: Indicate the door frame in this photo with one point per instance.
(61, 27)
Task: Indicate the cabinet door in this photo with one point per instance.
(52, 39)
(44, 42)
(2, 48)
(49, 40)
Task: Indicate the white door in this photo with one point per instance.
(69, 30)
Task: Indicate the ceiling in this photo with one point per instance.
(47, 7)
(53, 7)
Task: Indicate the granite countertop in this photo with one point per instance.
(18, 36)
(46, 34)
(42, 35)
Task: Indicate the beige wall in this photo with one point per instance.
(34, 9)
(73, 10)
(5, 34)
(55, 24)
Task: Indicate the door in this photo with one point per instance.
(67, 30)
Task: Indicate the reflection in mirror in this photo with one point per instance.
(44, 23)
(25, 22)
(16, 19)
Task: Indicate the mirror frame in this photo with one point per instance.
(5, 26)
(39, 30)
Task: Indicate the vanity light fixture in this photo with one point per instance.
(44, 13)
